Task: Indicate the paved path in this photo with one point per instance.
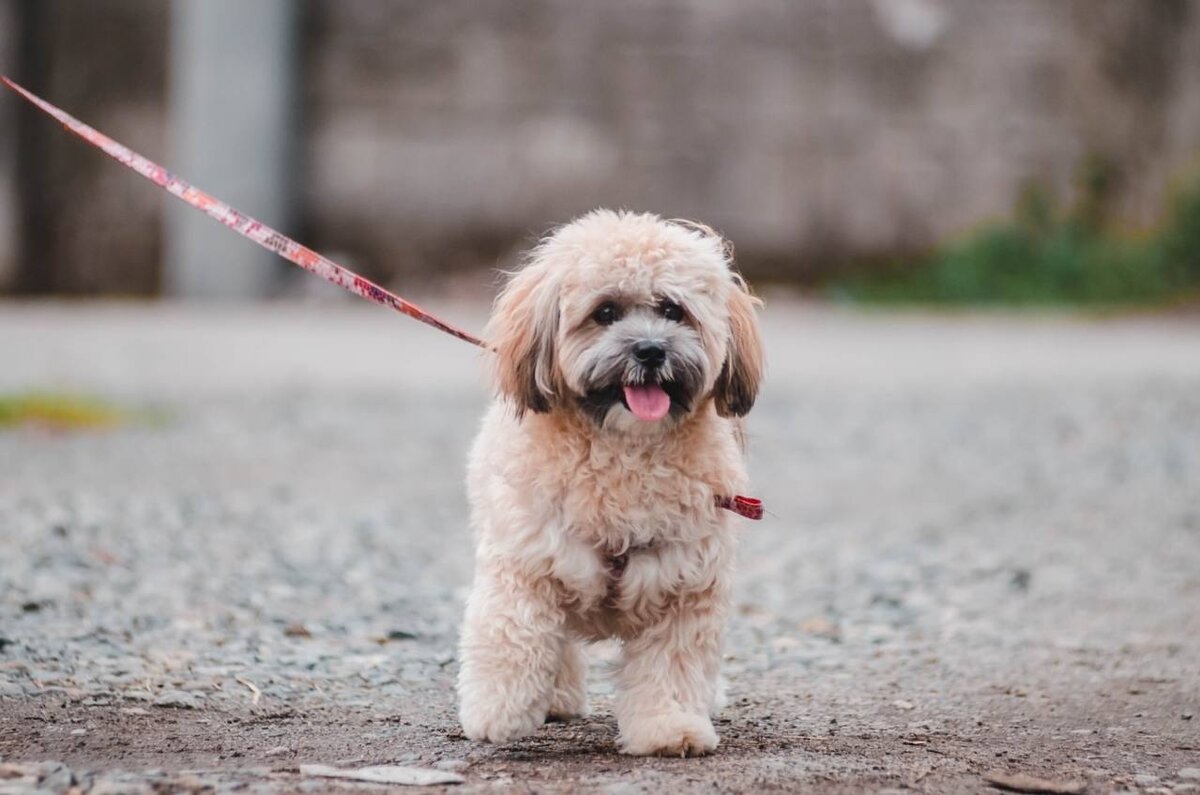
(983, 554)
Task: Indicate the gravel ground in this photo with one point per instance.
(982, 554)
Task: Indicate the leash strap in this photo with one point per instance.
(281, 244)
(241, 223)
(749, 507)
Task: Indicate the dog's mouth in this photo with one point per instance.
(648, 402)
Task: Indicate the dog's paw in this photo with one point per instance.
(494, 723)
(567, 714)
(673, 734)
(568, 703)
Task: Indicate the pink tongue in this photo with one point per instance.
(648, 403)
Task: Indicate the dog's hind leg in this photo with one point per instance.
(570, 685)
(510, 651)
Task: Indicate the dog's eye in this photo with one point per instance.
(671, 311)
(606, 314)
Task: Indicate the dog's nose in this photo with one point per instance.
(649, 353)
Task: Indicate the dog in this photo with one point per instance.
(627, 352)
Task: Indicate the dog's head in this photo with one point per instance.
(631, 319)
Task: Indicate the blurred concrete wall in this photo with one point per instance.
(436, 137)
(810, 132)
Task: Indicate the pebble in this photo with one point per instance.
(177, 699)
(137, 695)
(120, 786)
(452, 765)
(1189, 774)
(55, 777)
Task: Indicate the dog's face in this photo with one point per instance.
(635, 321)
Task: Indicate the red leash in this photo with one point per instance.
(281, 244)
(241, 223)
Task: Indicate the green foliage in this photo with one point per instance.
(1047, 256)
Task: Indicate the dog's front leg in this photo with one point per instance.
(512, 639)
(667, 681)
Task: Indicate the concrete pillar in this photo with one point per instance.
(232, 107)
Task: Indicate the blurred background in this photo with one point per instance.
(928, 150)
(982, 537)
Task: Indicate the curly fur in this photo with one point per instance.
(563, 477)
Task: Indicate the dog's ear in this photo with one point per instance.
(737, 385)
(521, 330)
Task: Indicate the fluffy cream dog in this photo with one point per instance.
(627, 348)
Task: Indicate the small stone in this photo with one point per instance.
(784, 643)
(297, 630)
(452, 765)
(55, 777)
(385, 774)
(279, 750)
(117, 786)
(902, 704)
(187, 783)
(1023, 782)
(1189, 773)
(821, 628)
(10, 771)
(134, 711)
(46, 676)
(177, 699)
(1145, 779)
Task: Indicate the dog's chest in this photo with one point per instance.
(619, 501)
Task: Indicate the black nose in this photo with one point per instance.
(648, 353)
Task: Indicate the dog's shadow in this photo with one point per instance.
(592, 737)
(595, 739)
